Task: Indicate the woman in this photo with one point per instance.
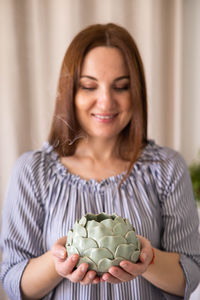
(99, 158)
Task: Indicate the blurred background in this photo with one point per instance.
(34, 38)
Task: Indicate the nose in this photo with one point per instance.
(105, 100)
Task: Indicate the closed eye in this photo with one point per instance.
(87, 88)
(121, 88)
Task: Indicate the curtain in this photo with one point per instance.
(34, 38)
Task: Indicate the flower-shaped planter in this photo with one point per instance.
(103, 241)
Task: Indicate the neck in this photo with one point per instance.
(97, 149)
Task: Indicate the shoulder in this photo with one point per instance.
(164, 157)
(167, 167)
(32, 161)
(34, 168)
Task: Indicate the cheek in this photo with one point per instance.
(128, 109)
(82, 102)
(78, 100)
(127, 105)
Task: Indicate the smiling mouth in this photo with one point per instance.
(104, 117)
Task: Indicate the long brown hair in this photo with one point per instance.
(65, 128)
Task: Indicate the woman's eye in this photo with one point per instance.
(88, 88)
(121, 88)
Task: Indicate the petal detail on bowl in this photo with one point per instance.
(69, 237)
(83, 244)
(83, 221)
(105, 263)
(125, 251)
(98, 232)
(108, 223)
(87, 260)
(111, 242)
(120, 229)
(135, 256)
(71, 250)
(79, 230)
(119, 219)
(130, 226)
(92, 224)
(131, 238)
(98, 253)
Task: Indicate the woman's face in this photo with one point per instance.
(103, 99)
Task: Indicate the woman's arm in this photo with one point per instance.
(43, 273)
(166, 273)
(26, 268)
(39, 277)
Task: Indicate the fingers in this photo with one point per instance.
(90, 277)
(146, 250)
(82, 275)
(117, 275)
(79, 274)
(129, 270)
(133, 269)
(126, 272)
(96, 280)
(64, 267)
(109, 278)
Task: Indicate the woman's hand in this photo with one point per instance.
(65, 265)
(128, 270)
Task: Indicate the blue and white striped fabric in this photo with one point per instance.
(44, 200)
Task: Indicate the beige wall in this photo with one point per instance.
(35, 34)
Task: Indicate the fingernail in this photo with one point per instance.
(91, 276)
(74, 258)
(105, 277)
(62, 254)
(144, 256)
(83, 269)
(124, 265)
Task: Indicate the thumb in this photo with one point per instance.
(146, 249)
(58, 249)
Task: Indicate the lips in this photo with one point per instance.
(105, 116)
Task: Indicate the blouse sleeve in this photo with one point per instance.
(180, 219)
(22, 222)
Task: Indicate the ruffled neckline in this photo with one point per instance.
(146, 155)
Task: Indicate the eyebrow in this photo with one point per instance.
(95, 79)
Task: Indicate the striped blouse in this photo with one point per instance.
(44, 200)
